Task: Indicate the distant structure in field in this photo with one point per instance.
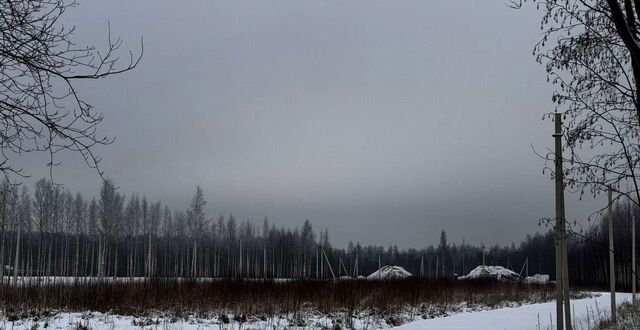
(537, 279)
(492, 272)
(389, 273)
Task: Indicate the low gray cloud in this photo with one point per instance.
(383, 121)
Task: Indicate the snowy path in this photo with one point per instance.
(535, 316)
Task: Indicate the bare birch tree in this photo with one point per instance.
(40, 68)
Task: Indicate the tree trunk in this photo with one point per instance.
(17, 259)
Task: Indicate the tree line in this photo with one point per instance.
(52, 232)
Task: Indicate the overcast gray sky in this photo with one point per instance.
(383, 121)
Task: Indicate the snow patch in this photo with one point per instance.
(537, 278)
(389, 273)
(495, 272)
(586, 313)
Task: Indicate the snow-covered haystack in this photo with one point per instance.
(495, 272)
(537, 278)
(389, 273)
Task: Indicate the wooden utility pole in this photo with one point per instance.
(633, 256)
(565, 275)
(612, 266)
(346, 272)
(329, 264)
(558, 242)
(563, 303)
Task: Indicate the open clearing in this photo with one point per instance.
(506, 314)
(586, 313)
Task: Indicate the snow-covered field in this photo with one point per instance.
(587, 312)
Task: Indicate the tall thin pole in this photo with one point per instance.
(559, 220)
(565, 273)
(633, 255)
(565, 267)
(321, 262)
(329, 264)
(612, 268)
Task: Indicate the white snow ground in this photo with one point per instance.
(586, 313)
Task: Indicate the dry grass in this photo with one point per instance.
(628, 318)
(267, 298)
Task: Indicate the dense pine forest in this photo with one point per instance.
(52, 232)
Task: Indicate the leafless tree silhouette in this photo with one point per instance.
(591, 53)
(40, 65)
